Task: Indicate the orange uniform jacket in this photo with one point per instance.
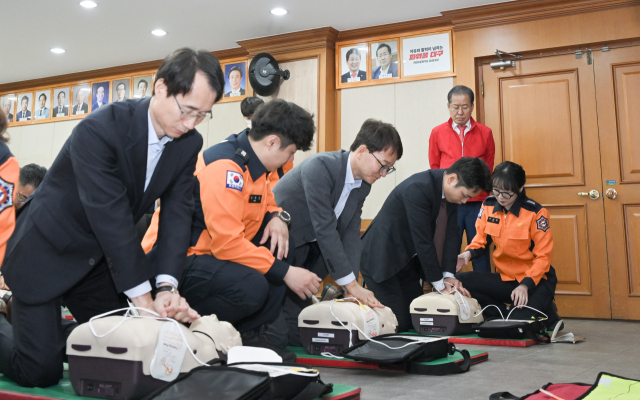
(232, 198)
(9, 175)
(522, 236)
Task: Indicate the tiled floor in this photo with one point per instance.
(610, 346)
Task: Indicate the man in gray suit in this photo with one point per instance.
(324, 196)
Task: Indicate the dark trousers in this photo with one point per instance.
(399, 291)
(467, 217)
(489, 288)
(234, 292)
(32, 348)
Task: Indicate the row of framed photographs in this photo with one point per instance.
(394, 59)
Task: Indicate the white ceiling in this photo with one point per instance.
(117, 32)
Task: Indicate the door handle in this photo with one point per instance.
(593, 194)
(611, 193)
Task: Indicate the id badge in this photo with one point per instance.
(169, 353)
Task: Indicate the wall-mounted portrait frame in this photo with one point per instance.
(385, 59)
(60, 99)
(100, 94)
(42, 105)
(120, 89)
(235, 81)
(8, 105)
(80, 96)
(353, 64)
(24, 110)
(142, 87)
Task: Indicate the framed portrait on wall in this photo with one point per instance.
(42, 106)
(81, 95)
(384, 60)
(8, 105)
(25, 105)
(60, 107)
(353, 63)
(121, 90)
(235, 80)
(100, 94)
(142, 86)
(427, 54)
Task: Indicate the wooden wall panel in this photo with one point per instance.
(632, 217)
(627, 87)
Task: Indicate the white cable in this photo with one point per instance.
(327, 354)
(531, 308)
(491, 305)
(128, 315)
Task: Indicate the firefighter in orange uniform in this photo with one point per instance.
(520, 229)
(237, 264)
(9, 175)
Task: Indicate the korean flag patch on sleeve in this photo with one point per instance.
(234, 180)
(6, 194)
(543, 223)
(480, 213)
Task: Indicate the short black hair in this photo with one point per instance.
(509, 176)
(378, 136)
(121, 83)
(354, 51)
(473, 173)
(178, 70)
(249, 105)
(32, 174)
(42, 94)
(287, 120)
(23, 99)
(381, 45)
(236, 68)
(62, 92)
(460, 90)
(143, 81)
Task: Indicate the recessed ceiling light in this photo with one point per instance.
(279, 11)
(158, 32)
(57, 50)
(88, 4)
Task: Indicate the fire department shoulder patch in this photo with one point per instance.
(543, 224)
(480, 213)
(6, 194)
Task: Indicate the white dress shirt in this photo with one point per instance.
(349, 184)
(468, 127)
(439, 285)
(154, 152)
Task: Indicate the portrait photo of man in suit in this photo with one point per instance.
(24, 113)
(80, 94)
(120, 90)
(354, 58)
(7, 106)
(141, 87)
(60, 109)
(384, 56)
(101, 97)
(235, 80)
(42, 111)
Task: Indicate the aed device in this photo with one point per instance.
(328, 326)
(440, 314)
(118, 365)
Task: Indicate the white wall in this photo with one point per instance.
(41, 143)
(414, 108)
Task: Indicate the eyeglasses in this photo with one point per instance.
(384, 168)
(465, 108)
(199, 117)
(505, 195)
(21, 198)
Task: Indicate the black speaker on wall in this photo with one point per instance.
(265, 75)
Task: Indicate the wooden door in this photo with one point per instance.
(543, 117)
(618, 90)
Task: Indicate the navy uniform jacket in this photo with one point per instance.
(361, 74)
(405, 226)
(89, 201)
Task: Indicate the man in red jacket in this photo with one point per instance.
(461, 136)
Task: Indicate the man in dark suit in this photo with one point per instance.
(324, 196)
(386, 69)
(99, 101)
(235, 79)
(76, 238)
(24, 114)
(81, 107)
(353, 62)
(415, 235)
(61, 110)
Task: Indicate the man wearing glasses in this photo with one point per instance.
(76, 238)
(325, 195)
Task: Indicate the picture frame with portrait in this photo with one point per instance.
(235, 81)
(120, 89)
(384, 59)
(353, 64)
(99, 95)
(24, 107)
(142, 86)
(60, 106)
(8, 105)
(42, 105)
(80, 96)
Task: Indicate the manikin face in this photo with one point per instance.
(120, 91)
(61, 97)
(384, 57)
(354, 63)
(42, 100)
(25, 104)
(80, 96)
(142, 89)
(460, 109)
(100, 94)
(234, 80)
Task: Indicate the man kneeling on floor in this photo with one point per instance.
(239, 264)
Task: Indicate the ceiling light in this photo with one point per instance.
(279, 11)
(158, 32)
(57, 50)
(88, 4)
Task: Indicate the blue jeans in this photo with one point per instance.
(467, 217)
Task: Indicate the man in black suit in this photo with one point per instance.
(353, 62)
(76, 238)
(235, 79)
(61, 110)
(24, 114)
(415, 235)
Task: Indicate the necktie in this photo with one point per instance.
(353, 75)
(461, 128)
(441, 230)
(41, 113)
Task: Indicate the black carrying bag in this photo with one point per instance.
(291, 386)
(513, 329)
(410, 358)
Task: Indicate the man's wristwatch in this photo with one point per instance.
(167, 288)
(285, 217)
